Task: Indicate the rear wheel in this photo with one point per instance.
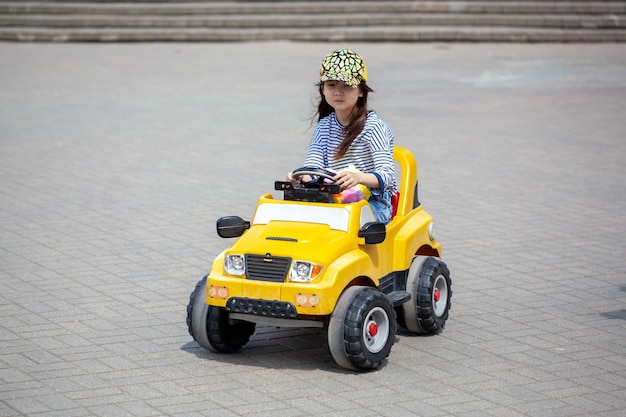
(362, 329)
(429, 284)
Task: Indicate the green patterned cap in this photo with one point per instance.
(344, 65)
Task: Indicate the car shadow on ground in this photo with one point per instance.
(283, 348)
(617, 314)
(276, 348)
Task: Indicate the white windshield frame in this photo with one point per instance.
(337, 218)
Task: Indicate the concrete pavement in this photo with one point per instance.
(116, 160)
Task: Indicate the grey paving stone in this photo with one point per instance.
(115, 161)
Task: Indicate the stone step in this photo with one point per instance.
(352, 34)
(310, 21)
(322, 7)
(437, 20)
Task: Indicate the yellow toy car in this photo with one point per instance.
(308, 261)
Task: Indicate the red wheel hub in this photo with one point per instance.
(372, 329)
(436, 294)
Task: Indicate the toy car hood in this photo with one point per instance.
(279, 238)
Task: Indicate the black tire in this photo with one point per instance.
(226, 336)
(197, 314)
(362, 329)
(430, 287)
(209, 325)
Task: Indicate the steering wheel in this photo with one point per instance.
(320, 173)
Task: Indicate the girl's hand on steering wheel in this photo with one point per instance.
(347, 179)
(298, 179)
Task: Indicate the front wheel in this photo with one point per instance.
(197, 315)
(210, 326)
(226, 335)
(362, 329)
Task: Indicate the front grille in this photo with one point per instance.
(267, 268)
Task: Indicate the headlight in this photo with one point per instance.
(302, 271)
(234, 264)
(432, 232)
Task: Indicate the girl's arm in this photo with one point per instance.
(349, 179)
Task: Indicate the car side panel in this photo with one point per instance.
(410, 237)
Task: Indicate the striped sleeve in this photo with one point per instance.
(380, 141)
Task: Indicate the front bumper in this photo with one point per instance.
(277, 309)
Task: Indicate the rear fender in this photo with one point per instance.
(413, 239)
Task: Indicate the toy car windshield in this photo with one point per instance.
(337, 218)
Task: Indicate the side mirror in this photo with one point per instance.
(231, 226)
(373, 232)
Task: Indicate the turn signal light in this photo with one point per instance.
(218, 292)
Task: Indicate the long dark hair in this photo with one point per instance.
(357, 119)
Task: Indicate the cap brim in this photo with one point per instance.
(344, 78)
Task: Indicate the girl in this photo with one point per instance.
(349, 136)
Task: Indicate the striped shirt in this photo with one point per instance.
(370, 152)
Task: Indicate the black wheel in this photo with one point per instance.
(429, 284)
(209, 325)
(362, 329)
(197, 314)
(226, 336)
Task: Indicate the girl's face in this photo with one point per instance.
(341, 96)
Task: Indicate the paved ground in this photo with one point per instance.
(115, 161)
